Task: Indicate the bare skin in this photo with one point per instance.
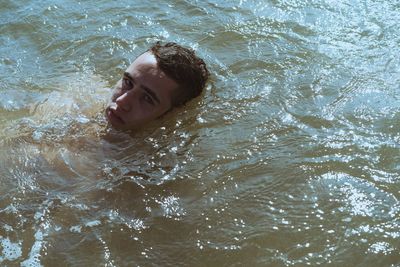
(142, 95)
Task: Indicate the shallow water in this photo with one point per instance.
(290, 158)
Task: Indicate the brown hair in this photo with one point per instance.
(184, 67)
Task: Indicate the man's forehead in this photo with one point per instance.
(146, 58)
(146, 67)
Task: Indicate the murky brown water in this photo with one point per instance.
(290, 158)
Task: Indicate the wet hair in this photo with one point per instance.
(183, 66)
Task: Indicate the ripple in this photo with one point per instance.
(289, 158)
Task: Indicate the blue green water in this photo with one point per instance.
(290, 158)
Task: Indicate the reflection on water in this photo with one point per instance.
(290, 158)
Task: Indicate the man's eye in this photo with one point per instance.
(148, 99)
(127, 84)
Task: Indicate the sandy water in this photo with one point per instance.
(290, 158)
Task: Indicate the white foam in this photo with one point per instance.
(11, 251)
(34, 254)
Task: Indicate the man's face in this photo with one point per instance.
(143, 94)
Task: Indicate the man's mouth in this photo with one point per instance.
(113, 117)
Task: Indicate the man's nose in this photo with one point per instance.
(125, 101)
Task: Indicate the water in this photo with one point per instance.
(290, 158)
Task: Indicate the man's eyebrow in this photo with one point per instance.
(145, 88)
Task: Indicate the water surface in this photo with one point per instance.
(290, 158)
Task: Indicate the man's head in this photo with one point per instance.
(163, 77)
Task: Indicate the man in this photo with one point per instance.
(164, 77)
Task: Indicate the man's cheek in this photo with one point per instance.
(117, 93)
(114, 97)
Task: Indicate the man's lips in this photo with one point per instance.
(113, 116)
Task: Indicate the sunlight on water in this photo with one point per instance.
(291, 156)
